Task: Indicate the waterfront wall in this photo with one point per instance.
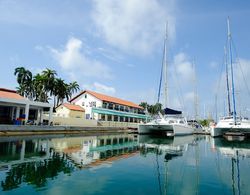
(117, 124)
(77, 122)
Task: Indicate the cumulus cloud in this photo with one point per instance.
(133, 26)
(184, 67)
(74, 59)
(101, 88)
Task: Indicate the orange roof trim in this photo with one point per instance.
(108, 99)
(7, 93)
(73, 107)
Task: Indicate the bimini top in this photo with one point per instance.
(169, 111)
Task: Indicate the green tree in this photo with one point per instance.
(73, 87)
(24, 79)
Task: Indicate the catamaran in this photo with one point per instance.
(232, 122)
(172, 122)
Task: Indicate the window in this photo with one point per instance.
(92, 104)
(86, 96)
(83, 103)
(109, 117)
(104, 105)
(87, 116)
(103, 117)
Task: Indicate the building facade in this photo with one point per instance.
(70, 111)
(106, 108)
(15, 109)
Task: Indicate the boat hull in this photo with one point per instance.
(164, 129)
(219, 131)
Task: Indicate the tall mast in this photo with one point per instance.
(195, 92)
(231, 65)
(228, 90)
(165, 70)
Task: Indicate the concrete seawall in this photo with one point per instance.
(8, 130)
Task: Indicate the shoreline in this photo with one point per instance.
(13, 130)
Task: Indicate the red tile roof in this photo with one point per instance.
(108, 99)
(73, 107)
(7, 93)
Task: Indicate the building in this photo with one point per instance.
(70, 111)
(15, 108)
(106, 108)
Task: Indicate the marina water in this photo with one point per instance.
(123, 164)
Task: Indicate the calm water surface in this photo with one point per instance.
(123, 164)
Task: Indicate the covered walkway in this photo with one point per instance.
(15, 109)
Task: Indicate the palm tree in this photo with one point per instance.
(49, 80)
(23, 75)
(24, 79)
(73, 87)
(60, 90)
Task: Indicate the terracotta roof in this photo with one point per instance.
(8, 93)
(73, 107)
(108, 99)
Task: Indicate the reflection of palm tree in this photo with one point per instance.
(36, 173)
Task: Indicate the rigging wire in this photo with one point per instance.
(238, 61)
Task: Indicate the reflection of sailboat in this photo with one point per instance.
(167, 150)
(172, 147)
(172, 123)
(232, 122)
(237, 152)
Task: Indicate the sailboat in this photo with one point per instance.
(231, 123)
(172, 122)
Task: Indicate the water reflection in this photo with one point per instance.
(37, 160)
(168, 152)
(129, 163)
(237, 152)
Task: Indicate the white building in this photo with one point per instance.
(16, 108)
(70, 111)
(106, 108)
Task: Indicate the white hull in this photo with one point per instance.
(174, 129)
(226, 125)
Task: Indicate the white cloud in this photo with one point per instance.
(184, 67)
(213, 64)
(133, 26)
(101, 88)
(73, 58)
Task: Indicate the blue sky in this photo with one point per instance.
(115, 47)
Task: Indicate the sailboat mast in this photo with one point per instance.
(165, 70)
(228, 90)
(231, 65)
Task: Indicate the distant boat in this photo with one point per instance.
(232, 122)
(172, 123)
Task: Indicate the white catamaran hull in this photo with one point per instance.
(219, 131)
(165, 129)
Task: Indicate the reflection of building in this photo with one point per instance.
(92, 150)
(15, 108)
(70, 111)
(82, 151)
(21, 151)
(106, 108)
